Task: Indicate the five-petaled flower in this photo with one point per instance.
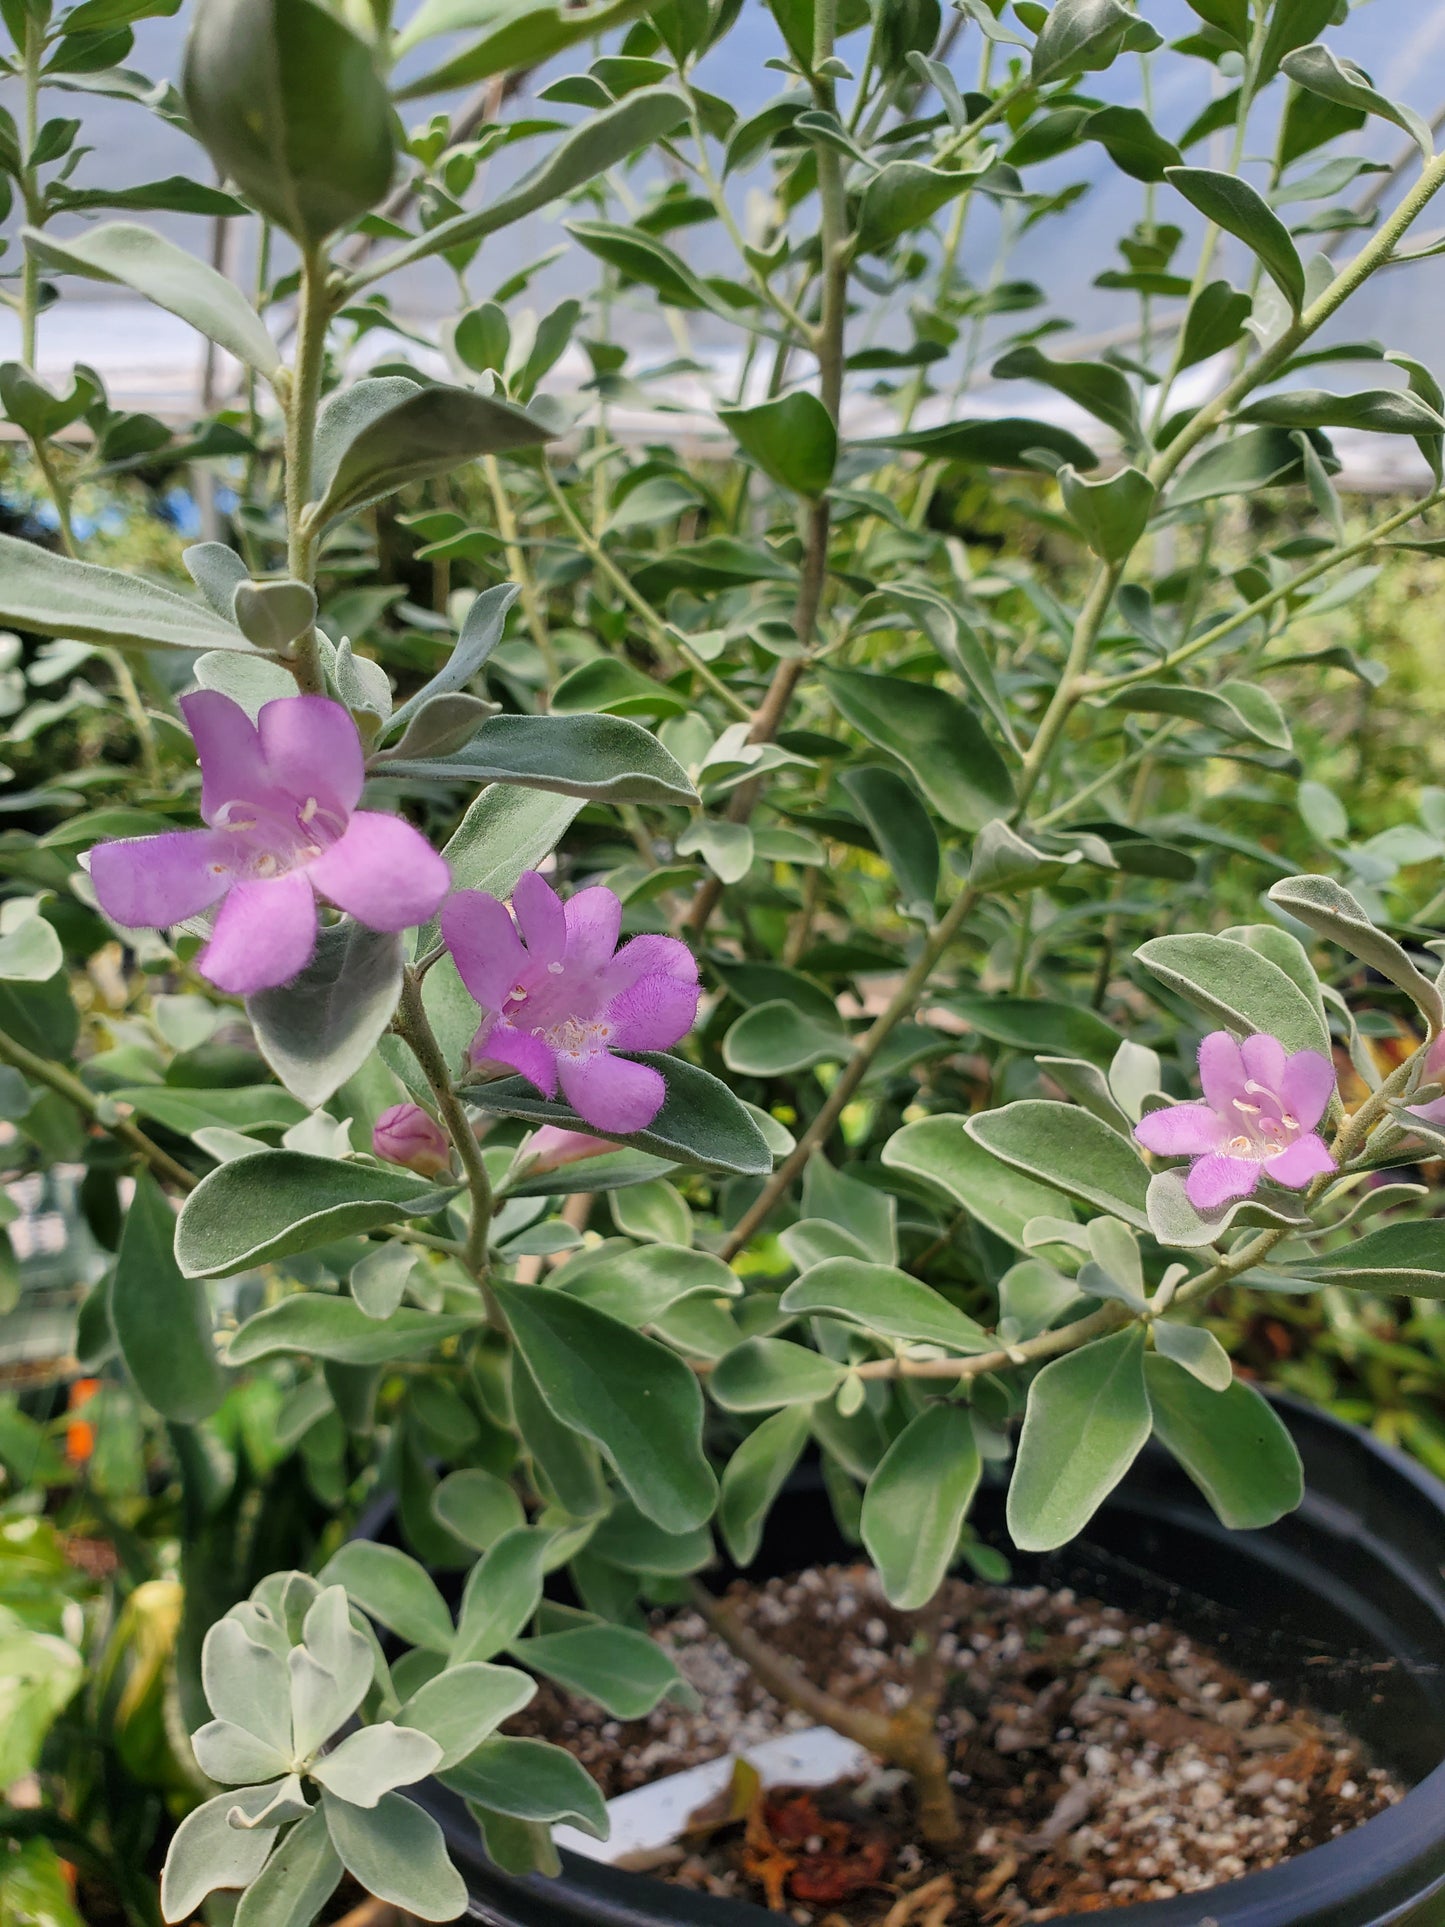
(559, 1005)
(279, 800)
(1260, 1109)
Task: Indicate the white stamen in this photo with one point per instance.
(1250, 1110)
(309, 809)
(1239, 1144)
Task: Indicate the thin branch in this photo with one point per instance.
(658, 631)
(908, 1738)
(787, 1682)
(57, 1078)
(1271, 599)
(1072, 685)
(853, 1072)
(303, 401)
(414, 1026)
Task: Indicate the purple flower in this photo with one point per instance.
(559, 1005)
(279, 799)
(1259, 1114)
(406, 1134)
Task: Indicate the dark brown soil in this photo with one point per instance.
(1098, 1759)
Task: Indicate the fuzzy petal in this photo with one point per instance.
(520, 1051)
(485, 946)
(312, 749)
(382, 872)
(1264, 1060)
(538, 910)
(1431, 1113)
(1307, 1158)
(233, 767)
(265, 933)
(610, 1093)
(1307, 1086)
(1221, 1071)
(650, 956)
(1214, 1180)
(653, 1014)
(151, 882)
(594, 918)
(1183, 1131)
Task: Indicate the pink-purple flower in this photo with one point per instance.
(279, 798)
(560, 1001)
(1261, 1106)
(406, 1134)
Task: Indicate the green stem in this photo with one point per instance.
(67, 1085)
(853, 1072)
(1211, 234)
(1142, 754)
(716, 193)
(414, 1026)
(956, 143)
(657, 630)
(1070, 686)
(1271, 599)
(114, 659)
(1374, 254)
(1166, 464)
(303, 402)
(519, 567)
(827, 342)
(55, 481)
(32, 53)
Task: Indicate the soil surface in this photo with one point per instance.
(1099, 1759)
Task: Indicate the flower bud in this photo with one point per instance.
(551, 1148)
(406, 1134)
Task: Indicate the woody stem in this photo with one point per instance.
(907, 1739)
(414, 1026)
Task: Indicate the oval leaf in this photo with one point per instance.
(917, 1501)
(636, 1400)
(277, 1202)
(1086, 1422)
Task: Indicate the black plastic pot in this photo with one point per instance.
(1342, 1604)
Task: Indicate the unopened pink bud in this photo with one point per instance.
(551, 1148)
(406, 1134)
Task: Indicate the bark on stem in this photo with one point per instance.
(908, 1739)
